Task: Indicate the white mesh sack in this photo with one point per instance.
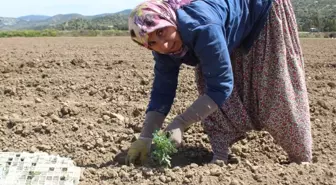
(37, 169)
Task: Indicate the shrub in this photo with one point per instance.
(163, 149)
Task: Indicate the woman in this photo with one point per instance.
(249, 71)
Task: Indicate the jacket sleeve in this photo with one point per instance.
(211, 48)
(166, 72)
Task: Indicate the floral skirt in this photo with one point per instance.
(269, 91)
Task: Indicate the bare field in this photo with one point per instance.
(85, 98)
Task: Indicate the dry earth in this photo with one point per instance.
(85, 98)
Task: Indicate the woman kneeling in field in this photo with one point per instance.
(249, 72)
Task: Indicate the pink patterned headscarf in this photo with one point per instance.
(152, 15)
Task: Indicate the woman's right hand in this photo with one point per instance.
(140, 148)
(138, 151)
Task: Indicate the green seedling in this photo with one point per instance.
(163, 149)
(34, 173)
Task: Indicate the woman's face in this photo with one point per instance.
(165, 40)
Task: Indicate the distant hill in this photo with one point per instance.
(62, 18)
(26, 23)
(8, 21)
(109, 21)
(124, 12)
(67, 21)
(34, 17)
(115, 21)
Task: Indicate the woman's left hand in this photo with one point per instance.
(199, 110)
(176, 129)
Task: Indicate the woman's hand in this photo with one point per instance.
(141, 147)
(138, 150)
(199, 110)
(176, 130)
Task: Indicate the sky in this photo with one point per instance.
(17, 8)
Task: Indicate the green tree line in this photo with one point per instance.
(116, 22)
(315, 14)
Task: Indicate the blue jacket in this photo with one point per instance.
(211, 29)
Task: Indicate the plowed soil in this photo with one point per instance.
(85, 98)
